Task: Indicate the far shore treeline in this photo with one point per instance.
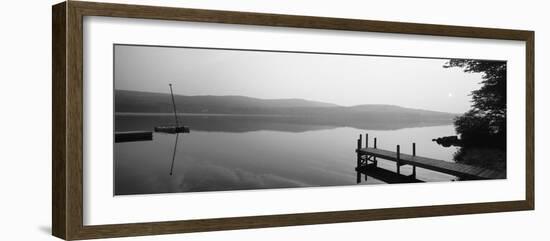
(283, 110)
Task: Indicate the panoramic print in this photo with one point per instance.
(193, 119)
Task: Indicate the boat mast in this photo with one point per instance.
(174, 104)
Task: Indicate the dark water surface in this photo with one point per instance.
(243, 153)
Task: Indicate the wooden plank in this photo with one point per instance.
(486, 173)
(491, 174)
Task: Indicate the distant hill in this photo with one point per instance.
(134, 101)
(285, 110)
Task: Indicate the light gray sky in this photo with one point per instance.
(339, 79)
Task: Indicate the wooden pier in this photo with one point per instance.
(129, 136)
(367, 160)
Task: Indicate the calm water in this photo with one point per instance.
(226, 155)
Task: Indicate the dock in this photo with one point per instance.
(367, 159)
(130, 136)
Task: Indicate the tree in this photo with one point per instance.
(485, 123)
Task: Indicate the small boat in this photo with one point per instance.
(172, 129)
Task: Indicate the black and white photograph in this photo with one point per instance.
(191, 119)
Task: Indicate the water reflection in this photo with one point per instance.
(383, 175)
(236, 153)
(174, 153)
(248, 123)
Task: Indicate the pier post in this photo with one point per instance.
(358, 159)
(366, 157)
(375, 161)
(358, 152)
(398, 162)
(414, 167)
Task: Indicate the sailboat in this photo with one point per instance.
(173, 129)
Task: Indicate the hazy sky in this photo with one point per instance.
(339, 79)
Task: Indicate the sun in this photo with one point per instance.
(450, 95)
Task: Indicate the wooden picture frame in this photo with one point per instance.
(67, 156)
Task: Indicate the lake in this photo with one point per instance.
(242, 153)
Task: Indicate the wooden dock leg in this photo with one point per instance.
(358, 159)
(398, 162)
(414, 167)
(358, 152)
(366, 157)
(366, 165)
(375, 161)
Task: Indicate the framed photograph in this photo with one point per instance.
(171, 120)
